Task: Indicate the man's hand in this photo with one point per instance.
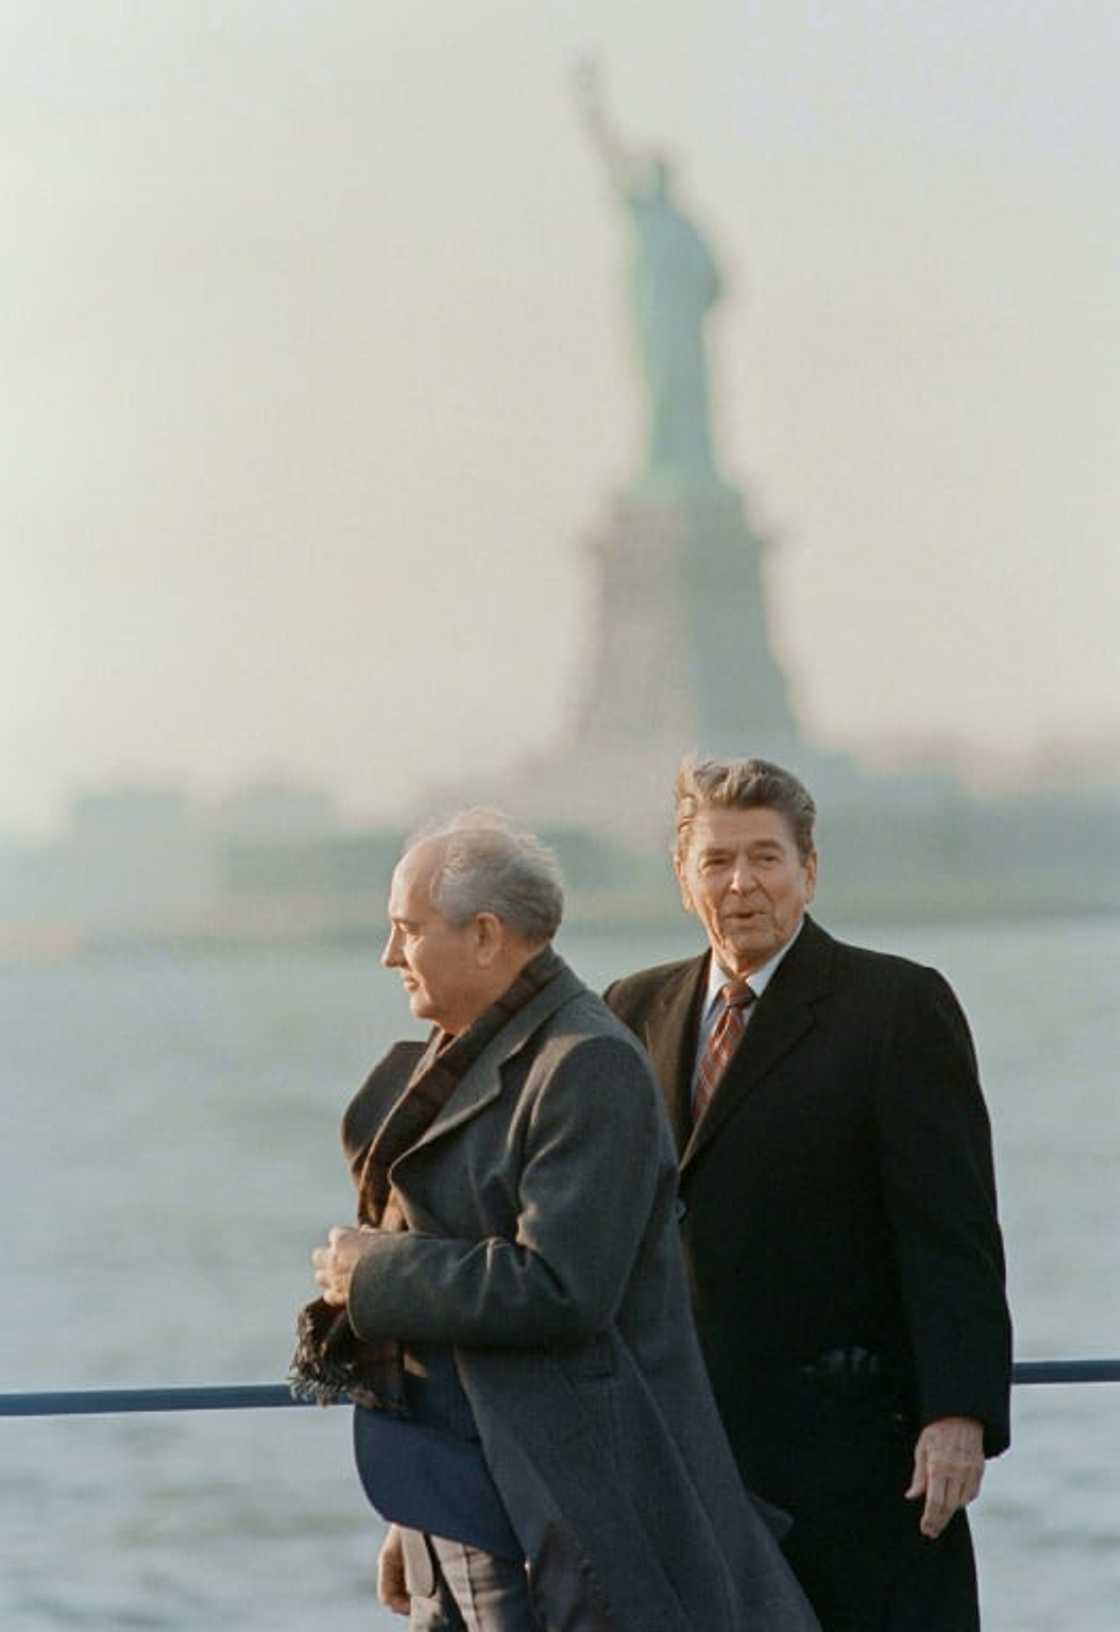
(334, 1263)
(948, 1468)
(391, 1588)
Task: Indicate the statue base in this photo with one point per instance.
(680, 662)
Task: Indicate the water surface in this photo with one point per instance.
(170, 1157)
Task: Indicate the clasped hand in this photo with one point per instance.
(334, 1263)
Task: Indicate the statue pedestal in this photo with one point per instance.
(681, 650)
(680, 662)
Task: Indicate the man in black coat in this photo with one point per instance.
(838, 1212)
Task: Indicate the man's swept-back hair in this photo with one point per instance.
(742, 784)
(488, 865)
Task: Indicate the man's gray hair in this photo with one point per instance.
(488, 865)
(742, 784)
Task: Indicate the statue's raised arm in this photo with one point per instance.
(622, 166)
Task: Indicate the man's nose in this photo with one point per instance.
(390, 952)
(742, 876)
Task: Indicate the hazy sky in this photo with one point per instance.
(317, 371)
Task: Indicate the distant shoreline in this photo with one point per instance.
(589, 913)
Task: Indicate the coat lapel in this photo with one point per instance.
(670, 1038)
(783, 1016)
(376, 1098)
(483, 1082)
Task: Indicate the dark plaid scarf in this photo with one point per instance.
(331, 1362)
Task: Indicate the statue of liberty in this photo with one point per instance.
(675, 283)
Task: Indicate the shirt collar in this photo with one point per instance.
(758, 980)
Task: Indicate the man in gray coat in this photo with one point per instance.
(518, 1254)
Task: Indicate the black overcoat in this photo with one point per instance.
(838, 1197)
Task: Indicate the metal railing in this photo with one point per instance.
(253, 1396)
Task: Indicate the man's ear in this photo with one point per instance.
(682, 884)
(489, 937)
(810, 875)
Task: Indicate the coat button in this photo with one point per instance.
(682, 1208)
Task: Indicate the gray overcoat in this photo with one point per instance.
(543, 1249)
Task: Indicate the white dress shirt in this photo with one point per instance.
(713, 1001)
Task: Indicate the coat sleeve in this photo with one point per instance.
(588, 1168)
(939, 1186)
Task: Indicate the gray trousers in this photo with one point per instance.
(458, 1588)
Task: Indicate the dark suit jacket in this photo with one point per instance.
(839, 1192)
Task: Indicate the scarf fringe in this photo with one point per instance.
(313, 1392)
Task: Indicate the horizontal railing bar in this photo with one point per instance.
(1066, 1371)
(246, 1396)
(110, 1401)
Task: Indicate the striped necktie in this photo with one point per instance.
(722, 1042)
